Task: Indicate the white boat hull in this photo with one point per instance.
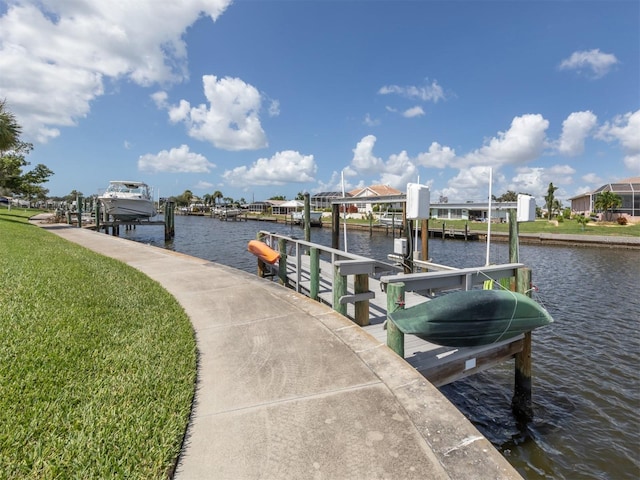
(126, 200)
(129, 208)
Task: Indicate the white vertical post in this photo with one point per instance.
(344, 206)
(489, 215)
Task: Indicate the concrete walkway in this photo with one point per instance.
(289, 389)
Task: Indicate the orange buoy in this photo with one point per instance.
(263, 251)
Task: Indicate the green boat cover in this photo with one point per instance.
(472, 318)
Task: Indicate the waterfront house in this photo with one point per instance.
(375, 192)
(322, 200)
(627, 189)
(471, 211)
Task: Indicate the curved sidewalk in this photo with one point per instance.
(287, 388)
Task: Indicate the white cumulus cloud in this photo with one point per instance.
(416, 111)
(176, 160)
(284, 167)
(56, 56)
(522, 143)
(594, 61)
(230, 121)
(575, 129)
(428, 93)
(437, 156)
(624, 129)
(364, 161)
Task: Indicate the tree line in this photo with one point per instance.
(187, 197)
(14, 180)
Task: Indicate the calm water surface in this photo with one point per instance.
(586, 385)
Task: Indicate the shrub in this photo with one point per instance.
(622, 220)
(560, 218)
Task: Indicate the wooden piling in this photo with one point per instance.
(339, 290)
(307, 217)
(97, 215)
(282, 263)
(261, 265)
(521, 403)
(361, 285)
(79, 210)
(169, 220)
(335, 226)
(513, 237)
(424, 238)
(395, 301)
(314, 259)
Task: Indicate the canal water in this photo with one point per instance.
(586, 380)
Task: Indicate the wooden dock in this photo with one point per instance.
(440, 365)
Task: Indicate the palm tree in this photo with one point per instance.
(607, 201)
(549, 200)
(9, 128)
(216, 196)
(186, 197)
(557, 206)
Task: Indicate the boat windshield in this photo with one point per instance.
(127, 188)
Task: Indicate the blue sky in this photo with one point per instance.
(263, 98)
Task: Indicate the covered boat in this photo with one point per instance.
(127, 200)
(472, 318)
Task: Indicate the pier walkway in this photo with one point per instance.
(287, 388)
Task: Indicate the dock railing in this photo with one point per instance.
(463, 278)
(299, 269)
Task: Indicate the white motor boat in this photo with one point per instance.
(315, 218)
(125, 200)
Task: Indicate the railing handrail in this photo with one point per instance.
(463, 278)
(335, 253)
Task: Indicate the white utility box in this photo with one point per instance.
(526, 208)
(418, 201)
(400, 246)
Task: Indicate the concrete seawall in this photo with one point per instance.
(287, 388)
(603, 241)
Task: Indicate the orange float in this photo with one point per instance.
(263, 251)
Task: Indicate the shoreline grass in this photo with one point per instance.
(98, 362)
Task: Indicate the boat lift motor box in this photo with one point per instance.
(400, 246)
(417, 201)
(526, 208)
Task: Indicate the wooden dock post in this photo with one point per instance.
(261, 264)
(395, 301)
(361, 314)
(97, 214)
(339, 290)
(79, 210)
(314, 267)
(424, 238)
(521, 403)
(307, 217)
(169, 220)
(335, 226)
(282, 263)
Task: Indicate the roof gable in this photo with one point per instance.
(375, 191)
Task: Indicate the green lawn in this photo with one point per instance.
(97, 362)
(544, 226)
